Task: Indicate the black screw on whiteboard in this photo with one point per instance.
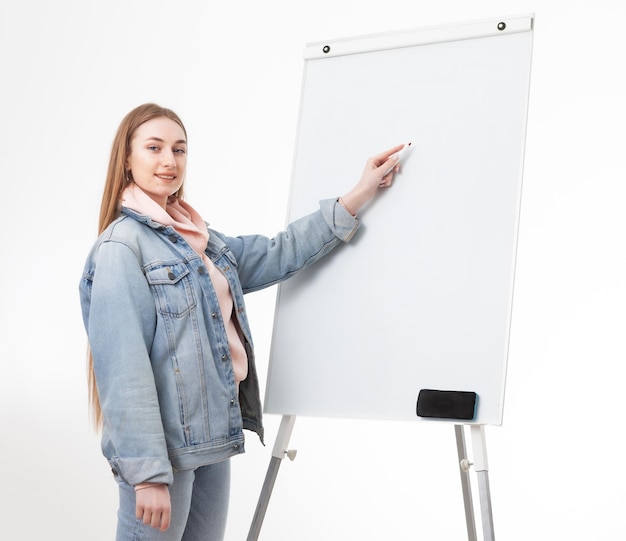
(501, 26)
(326, 48)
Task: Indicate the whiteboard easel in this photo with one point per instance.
(281, 450)
(460, 95)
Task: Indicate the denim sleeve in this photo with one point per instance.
(120, 318)
(263, 261)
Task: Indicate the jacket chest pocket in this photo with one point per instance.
(172, 289)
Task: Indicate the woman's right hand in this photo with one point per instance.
(378, 173)
(153, 506)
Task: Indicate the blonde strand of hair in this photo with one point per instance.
(110, 205)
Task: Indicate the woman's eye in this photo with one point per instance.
(180, 151)
(153, 147)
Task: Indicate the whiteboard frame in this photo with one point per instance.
(377, 44)
(419, 36)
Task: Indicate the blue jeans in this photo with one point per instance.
(199, 507)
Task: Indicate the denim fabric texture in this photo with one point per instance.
(160, 350)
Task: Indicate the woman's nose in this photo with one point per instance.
(167, 159)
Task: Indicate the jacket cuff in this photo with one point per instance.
(143, 470)
(343, 224)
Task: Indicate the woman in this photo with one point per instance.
(172, 371)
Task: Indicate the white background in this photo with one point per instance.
(69, 72)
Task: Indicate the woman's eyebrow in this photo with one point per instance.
(158, 139)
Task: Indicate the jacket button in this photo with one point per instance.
(173, 238)
(223, 356)
(213, 315)
(201, 270)
(232, 401)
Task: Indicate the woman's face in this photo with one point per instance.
(158, 157)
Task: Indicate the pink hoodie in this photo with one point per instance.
(182, 217)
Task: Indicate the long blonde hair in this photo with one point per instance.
(116, 180)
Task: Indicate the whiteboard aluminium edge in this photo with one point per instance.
(419, 36)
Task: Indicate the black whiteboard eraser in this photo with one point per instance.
(446, 404)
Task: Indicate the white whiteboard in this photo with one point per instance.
(422, 296)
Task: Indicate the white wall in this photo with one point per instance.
(71, 69)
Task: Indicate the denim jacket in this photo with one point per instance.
(161, 357)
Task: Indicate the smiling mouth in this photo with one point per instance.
(166, 177)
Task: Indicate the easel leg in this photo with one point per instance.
(465, 482)
(482, 471)
(278, 454)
